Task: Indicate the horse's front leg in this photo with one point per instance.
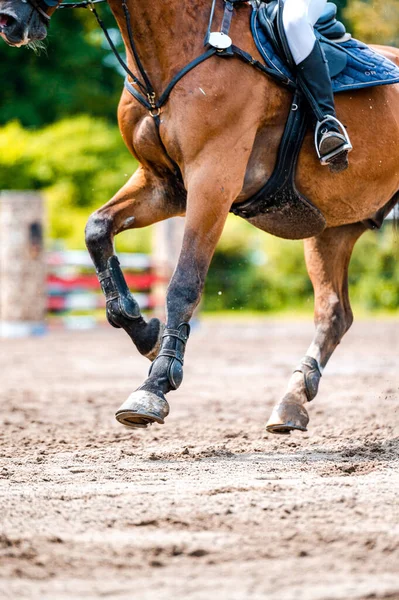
(211, 191)
(327, 260)
(144, 200)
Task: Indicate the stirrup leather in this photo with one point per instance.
(345, 147)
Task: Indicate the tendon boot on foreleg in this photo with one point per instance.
(148, 404)
(124, 312)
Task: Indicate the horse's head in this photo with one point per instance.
(25, 21)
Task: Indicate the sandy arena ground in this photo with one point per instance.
(206, 506)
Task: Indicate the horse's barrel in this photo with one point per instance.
(22, 264)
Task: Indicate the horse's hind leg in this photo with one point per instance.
(144, 200)
(327, 259)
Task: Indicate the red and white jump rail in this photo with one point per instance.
(72, 284)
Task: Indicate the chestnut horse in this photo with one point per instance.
(222, 126)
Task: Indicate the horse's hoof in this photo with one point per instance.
(287, 417)
(143, 408)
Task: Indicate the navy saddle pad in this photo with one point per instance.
(353, 65)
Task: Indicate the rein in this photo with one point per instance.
(146, 94)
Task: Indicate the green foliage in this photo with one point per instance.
(341, 4)
(75, 74)
(374, 22)
(374, 273)
(80, 163)
(260, 272)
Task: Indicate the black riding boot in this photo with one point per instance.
(331, 140)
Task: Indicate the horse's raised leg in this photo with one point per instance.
(144, 200)
(210, 195)
(327, 259)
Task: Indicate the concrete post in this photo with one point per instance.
(167, 243)
(22, 264)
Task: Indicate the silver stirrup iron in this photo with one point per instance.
(346, 147)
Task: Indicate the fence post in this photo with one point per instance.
(167, 243)
(22, 264)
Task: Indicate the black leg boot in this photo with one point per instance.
(331, 140)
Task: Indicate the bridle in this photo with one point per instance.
(42, 6)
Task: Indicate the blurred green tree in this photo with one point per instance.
(74, 74)
(374, 22)
(341, 4)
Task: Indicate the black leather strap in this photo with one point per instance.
(258, 65)
(147, 87)
(227, 17)
(191, 65)
(41, 7)
(284, 172)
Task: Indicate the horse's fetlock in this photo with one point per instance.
(310, 369)
(145, 336)
(168, 365)
(114, 316)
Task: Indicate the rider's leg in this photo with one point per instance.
(315, 10)
(299, 17)
(297, 20)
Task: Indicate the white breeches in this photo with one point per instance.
(299, 16)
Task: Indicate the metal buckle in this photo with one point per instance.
(155, 110)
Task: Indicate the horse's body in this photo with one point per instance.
(222, 126)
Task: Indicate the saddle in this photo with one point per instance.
(278, 207)
(327, 28)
